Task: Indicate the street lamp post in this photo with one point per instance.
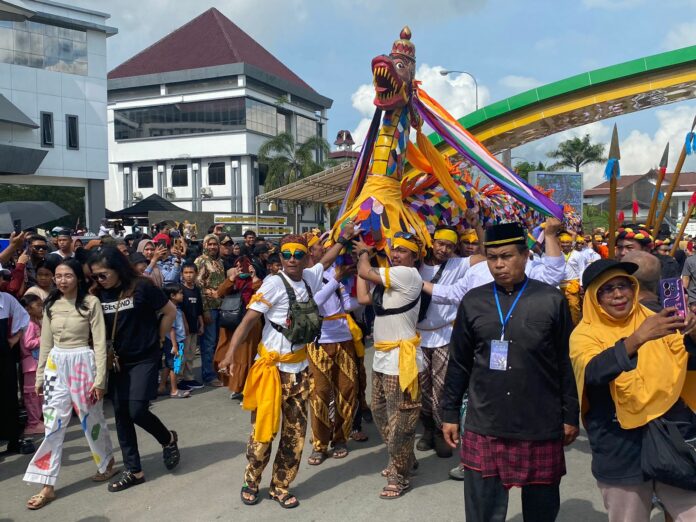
(445, 72)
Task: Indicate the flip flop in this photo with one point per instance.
(340, 451)
(180, 394)
(317, 457)
(399, 489)
(43, 500)
(103, 477)
(358, 436)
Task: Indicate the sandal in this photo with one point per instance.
(358, 436)
(170, 453)
(317, 457)
(127, 480)
(397, 490)
(246, 490)
(180, 394)
(103, 477)
(38, 501)
(286, 500)
(340, 451)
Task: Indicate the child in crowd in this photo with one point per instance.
(30, 344)
(274, 265)
(192, 307)
(175, 342)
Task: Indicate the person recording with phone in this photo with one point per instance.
(71, 374)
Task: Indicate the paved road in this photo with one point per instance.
(212, 434)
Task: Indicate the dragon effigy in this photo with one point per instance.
(383, 202)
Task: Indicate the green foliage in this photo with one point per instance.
(70, 199)
(523, 168)
(576, 152)
(593, 216)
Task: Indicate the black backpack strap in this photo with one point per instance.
(438, 275)
(426, 298)
(337, 291)
(377, 300)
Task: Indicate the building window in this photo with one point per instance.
(180, 118)
(261, 117)
(283, 123)
(145, 178)
(306, 129)
(180, 176)
(216, 174)
(72, 134)
(47, 129)
(43, 46)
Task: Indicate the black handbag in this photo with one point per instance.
(232, 311)
(669, 453)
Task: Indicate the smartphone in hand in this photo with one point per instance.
(672, 295)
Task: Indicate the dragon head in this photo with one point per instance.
(393, 75)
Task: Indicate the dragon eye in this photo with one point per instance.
(400, 65)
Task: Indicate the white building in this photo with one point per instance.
(188, 114)
(53, 98)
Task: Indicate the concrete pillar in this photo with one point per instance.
(95, 203)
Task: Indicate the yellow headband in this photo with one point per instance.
(312, 241)
(565, 237)
(409, 245)
(293, 247)
(470, 236)
(446, 234)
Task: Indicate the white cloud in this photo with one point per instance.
(640, 151)
(519, 84)
(612, 5)
(682, 35)
(455, 92)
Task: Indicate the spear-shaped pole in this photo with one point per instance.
(634, 206)
(612, 172)
(658, 185)
(673, 181)
(687, 217)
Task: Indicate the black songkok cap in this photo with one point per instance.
(505, 234)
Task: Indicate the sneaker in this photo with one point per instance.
(170, 453)
(457, 473)
(215, 383)
(236, 396)
(192, 385)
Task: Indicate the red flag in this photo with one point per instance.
(620, 218)
(692, 200)
(636, 209)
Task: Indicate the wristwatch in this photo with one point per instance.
(343, 241)
(363, 251)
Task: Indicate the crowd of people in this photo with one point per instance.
(498, 342)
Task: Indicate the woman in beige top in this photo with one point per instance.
(70, 374)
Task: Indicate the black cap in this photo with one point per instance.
(260, 249)
(226, 239)
(505, 234)
(594, 270)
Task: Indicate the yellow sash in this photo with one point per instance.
(408, 369)
(262, 391)
(571, 285)
(355, 332)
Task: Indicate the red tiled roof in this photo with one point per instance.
(208, 40)
(686, 183)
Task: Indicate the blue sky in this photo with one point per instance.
(508, 45)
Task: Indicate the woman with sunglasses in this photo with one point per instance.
(631, 367)
(132, 306)
(70, 374)
(280, 369)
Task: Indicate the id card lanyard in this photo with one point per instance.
(504, 322)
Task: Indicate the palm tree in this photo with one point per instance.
(577, 152)
(288, 162)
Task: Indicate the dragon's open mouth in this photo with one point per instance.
(390, 89)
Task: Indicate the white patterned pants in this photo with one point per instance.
(68, 379)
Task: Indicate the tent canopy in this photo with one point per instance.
(328, 187)
(141, 209)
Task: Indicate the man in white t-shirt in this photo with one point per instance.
(280, 369)
(398, 358)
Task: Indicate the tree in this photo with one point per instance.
(576, 152)
(70, 199)
(288, 162)
(523, 168)
(593, 216)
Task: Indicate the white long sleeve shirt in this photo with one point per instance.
(550, 270)
(335, 330)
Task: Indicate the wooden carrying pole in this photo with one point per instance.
(613, 173)
(685, 221)
(658, 185)
(672, 185)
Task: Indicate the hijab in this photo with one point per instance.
(156, 274)
(657, 382)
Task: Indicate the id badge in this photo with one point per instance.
(499, 355)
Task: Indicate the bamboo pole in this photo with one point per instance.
(658, 185)
(612, 216)
(672, 184)
(687, 216)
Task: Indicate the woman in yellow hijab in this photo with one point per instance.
(631, 367)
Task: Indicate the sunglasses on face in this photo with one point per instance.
(287, 255)
(610, 289)
(40, 247)
(100, 277)
(404, 235)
